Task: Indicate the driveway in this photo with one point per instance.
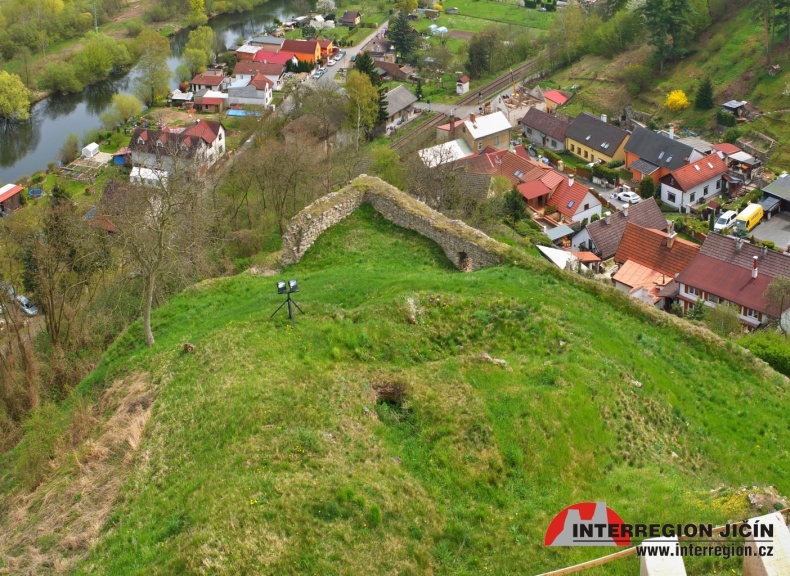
(777, 230)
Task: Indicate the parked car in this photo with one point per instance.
(317, 75)
(339, 57)
(631, 197)
(322, 69)
(330, 63)
(26, 306)
(725, 221)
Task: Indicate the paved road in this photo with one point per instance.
(332, 71)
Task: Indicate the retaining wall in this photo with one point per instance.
(466, 247)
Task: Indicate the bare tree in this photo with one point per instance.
(163, 227)
(778, 297)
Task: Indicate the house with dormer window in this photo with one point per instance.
(655, 155)
(201, 143)
(593, 139)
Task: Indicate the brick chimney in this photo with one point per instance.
(738, 244)
(754, 267)
(672, 235)
(452, 126)
(764, 251)
(625, 210)
(570, 181)
(472, 117)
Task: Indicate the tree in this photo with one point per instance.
(70, 149)
(363, 102)
(127, 105)
(385, 163)
(724, 319)
(778, 297)
(59, 77)
(195, 61)
(309, 32)
(418, 89)
(162, 229)
(514, 206)
(766, 10)
(647, 188)
(677, 101)
(324, 109)
(668, 27)
(325, 6)
(153, 80)
(402, 36)
(203, 39)
(365, 64)
(406, 6)
(703, 100)
(14, 97)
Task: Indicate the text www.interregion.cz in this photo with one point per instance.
(698, 550)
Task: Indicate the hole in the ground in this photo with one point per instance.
(463, 262)
(389, 392)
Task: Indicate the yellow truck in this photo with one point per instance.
(749, 217)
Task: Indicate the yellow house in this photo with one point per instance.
(480, 132)
(592, 139)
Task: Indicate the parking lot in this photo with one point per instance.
(777, 230)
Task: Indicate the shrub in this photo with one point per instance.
(677, 101)
(555, 158)
(134, 27)
(608, 174)
(614, 163)
(38, 447)
(771, 347)
(530, 4)
(725, 118)
(647, 188)
(549, 209)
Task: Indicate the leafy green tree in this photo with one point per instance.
(203, 39)
(406, 6)
(363, 106)
(59, 77)
(153, 81)
(309, 32)
(703, 100)
(724, 319)
(365, 64)
(647, 188)
(778, 297)
(195, 60)
(418, 89)
(70, 149)
(402, 36)
(668, 27)
(385, 163)
(127, 105)
(100, 56)
(514, 206)
(14, 97)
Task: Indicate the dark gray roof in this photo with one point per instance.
(657, 149)
(724, 248)
(264, 39)
(607, 236)
(545, 123)
(559, 232)
(779, 188)
(399, 99)
(769, 203)
(644, 166)
(600, 136)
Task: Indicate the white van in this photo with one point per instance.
(725, 221)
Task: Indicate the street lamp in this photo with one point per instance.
(288, 288)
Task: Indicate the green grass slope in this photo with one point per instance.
(268, 453)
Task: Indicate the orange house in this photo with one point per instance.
(649, 153)
(327, 47)
(305, 50)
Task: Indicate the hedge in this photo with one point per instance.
(608, 174)
(725, 118)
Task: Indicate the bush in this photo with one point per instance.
(771, 347)
(530, 4)
(157, 13)
(725, 118)
(677, 101)
(647, 188)
(607, 174)
(555, 158)
(134, 27)
(38, 446)
(614, 163)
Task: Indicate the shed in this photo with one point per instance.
(736, 107)
(9, 198)
(122, 156)
(462, 85)
(90, 150)
(147, 176)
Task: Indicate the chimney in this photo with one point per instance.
(625, 210)
(452, 126)
(606, 218)
(671, 132)
(738, 244)
(764, 251)
(671, 237)
(604, 119)
(677, 275)
(754, 267)
(472, 117)
(570, 181)
(670, 227)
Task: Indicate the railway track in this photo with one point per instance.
(492, 88)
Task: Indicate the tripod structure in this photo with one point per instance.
(290, 308)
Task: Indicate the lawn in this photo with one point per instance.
(268, 452)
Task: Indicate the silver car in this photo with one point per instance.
(26, 306)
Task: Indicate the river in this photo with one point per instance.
(29, 146)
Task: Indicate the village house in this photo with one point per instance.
(554, 99)
(390, 70)
(484, 131)
(305, 50)
(516, 166)
(254, 92)
(574, 202)
(380, 49)
(202, 143)
(208, 81)
(593, 139)
(729, 269)
(210, 101)
(651, 154)
(350, 18)
(10, 198)
(246, 71)
(694, 183)
(282, 58)
(779, 190)
(649, 259)
(603, 236)
(327, 47)
(462, 85)
(246, 52)
(544, 130)
(400, 105)
(742, 167)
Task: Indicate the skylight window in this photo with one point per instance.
(696, 167)
(588, 137)
(669, 159)
(661, 155)
(710, 165)
(518, 174)
(571, 203)
(605, 145)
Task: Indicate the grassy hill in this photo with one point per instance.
(280, 450)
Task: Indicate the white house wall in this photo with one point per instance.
(595, 208)
(683, 198)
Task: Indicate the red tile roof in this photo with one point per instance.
(698, 172)
(725, 280)
(607, 235)
(534, 189)
(301, 46)
(463, 79)
(649, 248)
(205, 130)
(260, 82)
(274, 58)
(727, 148)
(324, 43)
(514, 167)
(251, 68)
(556, 96)
(568, 198)
(208, 79)
(210, 101)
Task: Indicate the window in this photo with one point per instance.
(671, 198)
(752, 313)
(691, 290)
(586, 206)
(705, 191)
(479, 146)
(220, 136)
(553, 143)
(529, 131)
(718, 184)
(693, 195)
(496, 140)
(712, 298)
(585, 153)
